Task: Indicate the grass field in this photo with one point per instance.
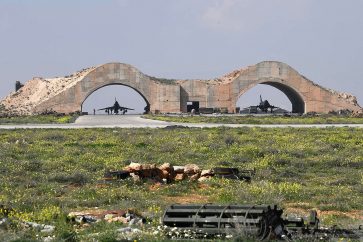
(45, 174)
(38, 119)
(230, 119)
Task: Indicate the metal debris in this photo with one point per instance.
(260, 222)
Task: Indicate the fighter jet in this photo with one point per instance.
(265, 105)
(115, 108)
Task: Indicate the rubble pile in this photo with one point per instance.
(168, 173)
(128, 217)
(357, 114)
(346, 96)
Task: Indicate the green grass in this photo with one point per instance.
(38, 119)
(230, 119)
(45, 174)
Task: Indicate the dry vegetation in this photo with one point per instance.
(249, 119)
(45, 174)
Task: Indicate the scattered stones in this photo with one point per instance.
(129, 232)
(194, 177)
(129, 217)
(166, 167)
(48, 229)
(48, 238)
(180, 176)
(134, 167)
(147, 170)
(117, 219)
(43, 228)
(206, 173)
(178, 169)
(124, 230)
(135, 177)
(191, 169)
(4, 222)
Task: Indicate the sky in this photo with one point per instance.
(322, 40)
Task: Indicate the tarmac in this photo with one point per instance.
(136, 121)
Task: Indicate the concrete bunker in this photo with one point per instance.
(192, 105)
(296, 100)
(117, 90)
(67, 94)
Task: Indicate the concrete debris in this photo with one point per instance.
(167, 173)
(129, 217)
(178, 169)
(166, 167)
(128, 233)
(48, 238)
(180, 176)
(134, 167)
(135, 177)
(191, 169)
(48, 229)
(3, 222)
(43, 228)
(194, 177)
(206, 173)
(128, 230)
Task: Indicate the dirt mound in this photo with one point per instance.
(36, 91)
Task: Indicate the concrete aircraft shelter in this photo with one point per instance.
(174, 96)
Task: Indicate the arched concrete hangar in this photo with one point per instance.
(174, 96)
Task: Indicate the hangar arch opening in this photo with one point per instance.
(276, 93)
(103, 97)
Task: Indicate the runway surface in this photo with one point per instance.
(135, 121)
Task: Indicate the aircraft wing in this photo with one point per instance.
(125, 108)
(105, 108)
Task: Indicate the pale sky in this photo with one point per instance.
(322, 40)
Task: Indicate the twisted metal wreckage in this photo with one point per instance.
(261, 222)
(210, 221)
